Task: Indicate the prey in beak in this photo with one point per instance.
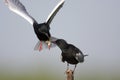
(48, 44)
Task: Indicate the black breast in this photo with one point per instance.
(42, 31)
(69, 58)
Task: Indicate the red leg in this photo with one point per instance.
(40, 48)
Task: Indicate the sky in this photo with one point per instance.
(91, 25)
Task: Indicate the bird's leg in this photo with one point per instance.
(74, 68)
(40, 48)
(67, 66)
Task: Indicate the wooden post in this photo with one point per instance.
(70, 75)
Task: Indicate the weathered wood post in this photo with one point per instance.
(70, 75)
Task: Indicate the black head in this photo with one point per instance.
(61, 43)
(44, 27)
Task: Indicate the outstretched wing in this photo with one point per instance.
(54, 12)
(17, 7)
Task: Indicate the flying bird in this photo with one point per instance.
(70, 53)
(41, 30)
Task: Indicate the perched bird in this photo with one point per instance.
(70, 53)
(42, 29)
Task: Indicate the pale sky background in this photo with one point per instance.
(91, 25)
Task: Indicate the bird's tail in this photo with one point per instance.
(85, 55)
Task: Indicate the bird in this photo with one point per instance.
(70, 53)
(41, 30)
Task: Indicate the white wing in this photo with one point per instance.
(17, 7)
(54, 12)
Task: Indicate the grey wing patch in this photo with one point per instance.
(77, 56)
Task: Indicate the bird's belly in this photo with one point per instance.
(42, 37)
(70, 60)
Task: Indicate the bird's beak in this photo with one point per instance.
(54, 42)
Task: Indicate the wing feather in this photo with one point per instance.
(54, 11)
(17, 7)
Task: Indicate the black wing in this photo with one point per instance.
(77, 53)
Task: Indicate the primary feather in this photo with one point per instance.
(54, 11)
(17, 7)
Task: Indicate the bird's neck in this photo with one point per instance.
(64, 48)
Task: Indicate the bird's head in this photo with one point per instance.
(61, 43)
